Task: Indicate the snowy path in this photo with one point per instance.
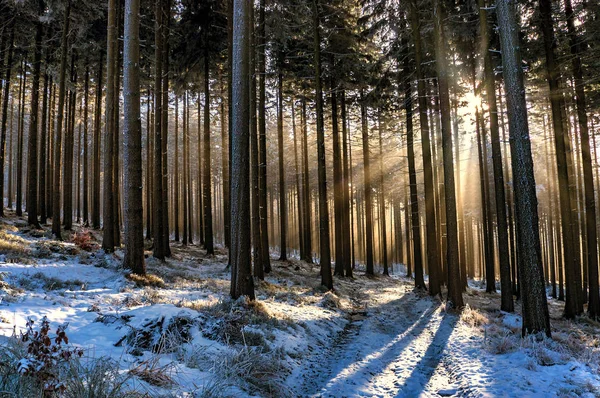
(394, 350)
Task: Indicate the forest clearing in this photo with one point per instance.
(288, 198)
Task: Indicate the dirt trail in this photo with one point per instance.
(395, 347)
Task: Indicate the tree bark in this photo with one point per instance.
(262, 138)
(533, 293)
(206, 186)
(242, 283)
(325, 260)
(490, 88)
(452, 257)
(59, 124)
(32, 161)
(433, 260)
(132, 154)
(573, 285)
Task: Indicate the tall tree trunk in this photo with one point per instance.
(179, 193)
(132, 154)
(207, 197)
(340, 259)
(242, 283)
(453, 266)
(96, 149)
(20, 139)
(158, 223)
(556, 101)
(415, 250)
(490, 87)
(68, 151)
(533, 292)
(367, 188)
(262, 138)
(165, 123)
(59, 124)
(300, 216)
(430, 221)
(5, 99)
(325, 260)
(85, 205)
(306, 189)
(381, 200)
(43, 149)
(346, 224)
(108, 223)
(259, 270)
(32, 166)
(588, 178)
(282, 188)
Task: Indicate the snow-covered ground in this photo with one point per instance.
(180, 335)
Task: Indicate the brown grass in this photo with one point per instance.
(146, 280)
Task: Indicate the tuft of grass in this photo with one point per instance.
(40, 280)
(154, 374)
(13, 245)
(260, 373)
(331, 301)
(472, 317)
(502, 344)
(100, 378)
(146, 280)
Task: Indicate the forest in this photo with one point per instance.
(288, 198)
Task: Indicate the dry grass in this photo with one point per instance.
(261, 372)
(40, 280)
(13, 245)
(331, 300)
(473, 317)
(154, 374)
(146, 280)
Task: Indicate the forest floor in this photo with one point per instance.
(177, 334)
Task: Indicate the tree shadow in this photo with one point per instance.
(359, 371)
(422, 373)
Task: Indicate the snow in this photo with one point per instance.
(372, 337)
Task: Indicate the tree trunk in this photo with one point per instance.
(96, 149)
(68, 151)
(158, 223)
(242, 283)
(282, 188)
(59, 124)
(165, 124)
(43, 149)
(5, 98)
(325, 260)
(367, 188)
(32, 166)
(588, 178)
(453, 266)
(132, 154)
(179, 193)
(206, 188)
(338, 195)
(381, 200)
(257, 252)
(306, 190)
(262, 138)
(556, 101)
(490, 87)
(430, 221)
(20, 139)
(85, 206)
(533, 292)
